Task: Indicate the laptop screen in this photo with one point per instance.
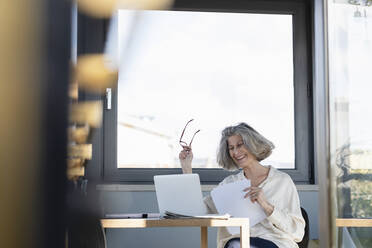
(180, 193)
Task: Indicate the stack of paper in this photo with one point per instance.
(171, 215)
(229, 199)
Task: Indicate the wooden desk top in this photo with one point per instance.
(143, 223)
(345, 222)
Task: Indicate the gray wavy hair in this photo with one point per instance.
(257, 144)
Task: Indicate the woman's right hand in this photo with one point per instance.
(185, 157)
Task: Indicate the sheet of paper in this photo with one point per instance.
(229, 199)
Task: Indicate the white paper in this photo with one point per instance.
(229, 199)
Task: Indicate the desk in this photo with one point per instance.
(343, 222)
(243, 223)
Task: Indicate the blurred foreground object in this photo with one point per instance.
(19, 123)
(87, 113)
(105, 8)
(94, 74)
(83, 117)
(34, 69)
(78, 135)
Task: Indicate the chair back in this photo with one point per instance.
(305, 241)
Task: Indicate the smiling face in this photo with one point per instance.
(239, 153)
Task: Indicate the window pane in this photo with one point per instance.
(216, 68)
(350, 49)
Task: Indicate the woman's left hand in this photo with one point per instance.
(256, 195)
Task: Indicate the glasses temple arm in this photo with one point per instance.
(193, 137)
(183, 131)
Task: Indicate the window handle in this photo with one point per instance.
(108, 98)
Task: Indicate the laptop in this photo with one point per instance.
(180, 193)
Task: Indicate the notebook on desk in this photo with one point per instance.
(179, 194)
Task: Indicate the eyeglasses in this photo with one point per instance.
(183, 143)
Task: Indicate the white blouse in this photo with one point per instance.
(285, 226)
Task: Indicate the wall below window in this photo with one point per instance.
(145, 201)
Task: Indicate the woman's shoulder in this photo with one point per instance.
(233, 178)
(278, 175)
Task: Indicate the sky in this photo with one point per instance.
(216, 68)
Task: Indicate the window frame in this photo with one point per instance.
(303, 100)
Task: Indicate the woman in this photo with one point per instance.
(242, 147)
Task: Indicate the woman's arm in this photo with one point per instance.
(256, 194)
(287, 216)
(284, 215)
(185, 157)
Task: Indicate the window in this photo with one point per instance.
(218, 67)
(350, 46)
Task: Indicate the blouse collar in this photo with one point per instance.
(271, 174)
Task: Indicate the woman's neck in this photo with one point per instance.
(255, 170)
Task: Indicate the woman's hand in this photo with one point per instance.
(185, 157)
(256, 195)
